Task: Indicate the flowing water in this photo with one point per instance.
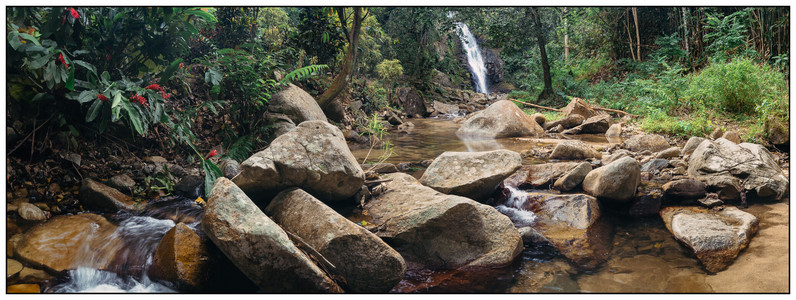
(474, 57)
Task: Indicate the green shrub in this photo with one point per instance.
(658, 121)
(738, 87)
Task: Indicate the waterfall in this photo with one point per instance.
(474, 58)
(513, 208)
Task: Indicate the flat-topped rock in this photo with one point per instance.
(474, 175)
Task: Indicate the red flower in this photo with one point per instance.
(74, 13)
(211, 154)
(102, 97)
(108, 57)
(63, 61)
(164, 95)
(138, 99)
(154, 87)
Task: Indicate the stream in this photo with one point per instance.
(644, 257)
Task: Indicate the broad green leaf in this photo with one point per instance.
(70, 81)
(85, 96)
(135, 118)
(105, 77)
(86, 65)
(13, 39)
(30, 38)
(93, 111)
(40, 62)
(166, 75)
(202, 14)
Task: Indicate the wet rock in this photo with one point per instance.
(540, 176)
(712, 200)
(296, 104)
(654, 165)
(63, 242)
(692, 144)
(539, 118)
(443, 108)
(614, 131)
(30, 212)
(732, 136)
(190, 187)
(13, 267)
(595, 124)
(229, 167)
(26, 288)
(644, 273)
(314, 156)
(392, 118)
(717, 133)
(571, 223)
(409, 99)
(257, 245)
(470, 174)
(684, 189)
(752, 163)
(95, 195)
(406, 127)
(565, 122)
(123, 183)
(501, 119)
(649, 142)
(647, 204)
(34, 275)
(181, 258)
(573, 149)
(716, 237)
(580, 107)
(616, 181)
(442, 231)
(668, 153)
(573, 178)
(367, 263)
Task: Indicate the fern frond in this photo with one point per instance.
(302, 73)
(243, 147)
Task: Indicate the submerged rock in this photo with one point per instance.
(257, 245)
(441, 231)
(474, 175)
(367, 263)
(95, 195)
(314, 157)
(501, 119)
(67, 242)
(573, 149)
(571, 223)
(716, 237)
(752, 163)
(616, 181)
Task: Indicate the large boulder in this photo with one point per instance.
(296, 104)
(595, 124)
(257, 245)
(64, 242)
(752, 163)
(579, 107)
(95, 195)
(441, 231)
(409, 99)
(616, 181)
(181, 257)
(573, 149)
(539, 176)
(573, 177)
(692, 144)
(571, 223)
(470, 174)
(314, 157)
(685, 189)
(501, 119)
(715, 236)
(366, 262)
(651, 142)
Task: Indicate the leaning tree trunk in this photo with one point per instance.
(547, 92)
(342, 78)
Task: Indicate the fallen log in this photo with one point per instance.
(615, 111)
(535, 105)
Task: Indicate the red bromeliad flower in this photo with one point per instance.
(74, 13)
(211, 154)
(102, 97)
(138, 99)
(154, 87)
(164, 95)
(63, 61)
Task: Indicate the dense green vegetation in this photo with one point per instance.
(151, 72)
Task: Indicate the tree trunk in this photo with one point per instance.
(638, 39)
(685, 30)
(566, 36)
(547, 92)
(342, 78)
(629, 37)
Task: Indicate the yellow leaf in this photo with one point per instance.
(200, 201)
(363, 223)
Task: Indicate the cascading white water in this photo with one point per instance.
(513, 208)
(474, 58)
